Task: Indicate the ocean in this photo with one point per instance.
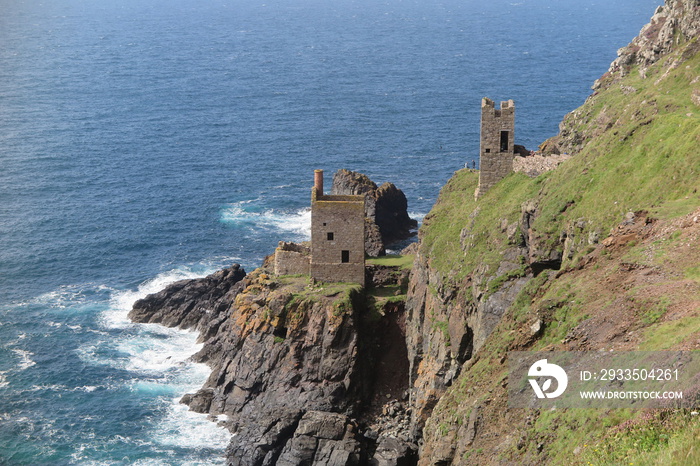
(145, 141)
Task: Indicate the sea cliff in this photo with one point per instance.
(601, 253)
(305, 372)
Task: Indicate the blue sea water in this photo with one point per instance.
(147, 141)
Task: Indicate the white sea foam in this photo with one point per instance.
(180, 427)
(146, 348)
(186, 429)
(418, 216)
(3, 381)
(65, 388)
(70, 296)
(25, 360)
(296, 222)
(122, 301)
(150, 354)
(48, 387)
(159, 358)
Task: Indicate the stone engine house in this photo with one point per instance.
(337, 235)
(497, 143)
(337, 252)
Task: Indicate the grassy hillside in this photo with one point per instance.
(621, 286)
(643, 152)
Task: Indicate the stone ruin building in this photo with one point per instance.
(337, 251)
(497, 143)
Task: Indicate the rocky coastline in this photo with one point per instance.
(411, 370)
(306, 373)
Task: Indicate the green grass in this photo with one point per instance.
(648, 159)
(459, 235)
(693, 273)
(392, 260)
(656, 310)
(677, 208)
(345, 296)
(641, 154)
(444, 327)
(386, 291)
(680, 448)
(573, 428)
(650, 438)
(668, 334)
(377, 298)
(498, 282)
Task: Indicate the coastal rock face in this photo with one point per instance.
(322, 439)
(385, 208)
(192, 304)
(282, 356)
(273, 360)
(538, 281)
(296, 367)
(448, 322)
(676, 21)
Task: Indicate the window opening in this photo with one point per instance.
(504, 141)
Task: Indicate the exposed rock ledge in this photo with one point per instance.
(295, 368)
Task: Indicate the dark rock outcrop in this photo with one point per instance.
(293, 366)
(191, 303)
(386, 210)
(322, 439)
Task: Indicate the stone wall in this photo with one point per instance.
(496, 144)
(338, 238)
(292, 259)
(386, 209)
(347, 273)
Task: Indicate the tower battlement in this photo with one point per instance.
(497, 142)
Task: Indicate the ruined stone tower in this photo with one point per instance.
(337, 235)
(496, 144)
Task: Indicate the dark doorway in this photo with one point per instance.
(344, 256)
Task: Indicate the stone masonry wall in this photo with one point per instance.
(495, 164)
(337, 225)
(290, 262)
